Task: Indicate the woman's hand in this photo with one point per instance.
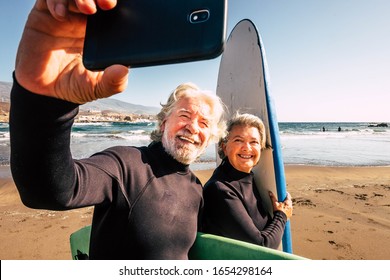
(285, 206)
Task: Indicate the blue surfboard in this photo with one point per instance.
(244, 85)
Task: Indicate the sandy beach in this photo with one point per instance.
(340, 213)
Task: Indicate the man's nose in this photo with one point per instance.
(193, 126)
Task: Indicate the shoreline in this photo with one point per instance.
(339, 213)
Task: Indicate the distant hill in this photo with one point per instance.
(107, 104)
(114, 105)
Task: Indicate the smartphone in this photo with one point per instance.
(138, 33)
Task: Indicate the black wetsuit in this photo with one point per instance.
(146, 203)
(233, 208)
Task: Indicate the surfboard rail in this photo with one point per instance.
(280, 177)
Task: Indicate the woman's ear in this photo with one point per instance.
(223, 146)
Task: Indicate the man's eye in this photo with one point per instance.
(205, 124)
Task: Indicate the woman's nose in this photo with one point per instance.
(246, 146)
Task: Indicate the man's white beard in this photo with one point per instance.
(182, 152)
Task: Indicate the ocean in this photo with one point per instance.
(303, 143)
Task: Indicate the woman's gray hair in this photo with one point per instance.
(218, 124)
(242, 120)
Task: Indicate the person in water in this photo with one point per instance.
(233, 207)
(147, 201)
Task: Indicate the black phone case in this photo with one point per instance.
(139, 33)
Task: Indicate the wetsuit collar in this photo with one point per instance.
(166, 159)
(233, 174)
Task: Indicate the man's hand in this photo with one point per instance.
(49, 58)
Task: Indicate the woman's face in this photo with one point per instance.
(243, 147)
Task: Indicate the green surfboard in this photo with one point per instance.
(206, 247)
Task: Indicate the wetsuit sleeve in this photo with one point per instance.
(42, 166)
(229, 217)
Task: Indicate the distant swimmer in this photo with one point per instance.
(323, 128)
(339, 128)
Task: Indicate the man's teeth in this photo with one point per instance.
(187, 139)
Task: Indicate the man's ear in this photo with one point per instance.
(162, 126)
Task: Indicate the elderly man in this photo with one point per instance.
(147, 201)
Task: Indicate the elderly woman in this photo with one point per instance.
(233, 207)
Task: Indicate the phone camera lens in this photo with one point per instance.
(199, 16)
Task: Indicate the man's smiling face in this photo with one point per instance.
(187, 130)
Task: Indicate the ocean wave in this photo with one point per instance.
(139, 131)
(343, 134)
(4, 136)
(81, 124)
(302, 143)
(119, 135)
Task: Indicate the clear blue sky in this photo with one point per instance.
(329, 60)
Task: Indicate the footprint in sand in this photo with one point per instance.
(311, 240)
(361, 196)
(339, 245)
(387, 187)
(328, 190)
(303, 202)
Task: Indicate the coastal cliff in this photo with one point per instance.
(104, 110)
